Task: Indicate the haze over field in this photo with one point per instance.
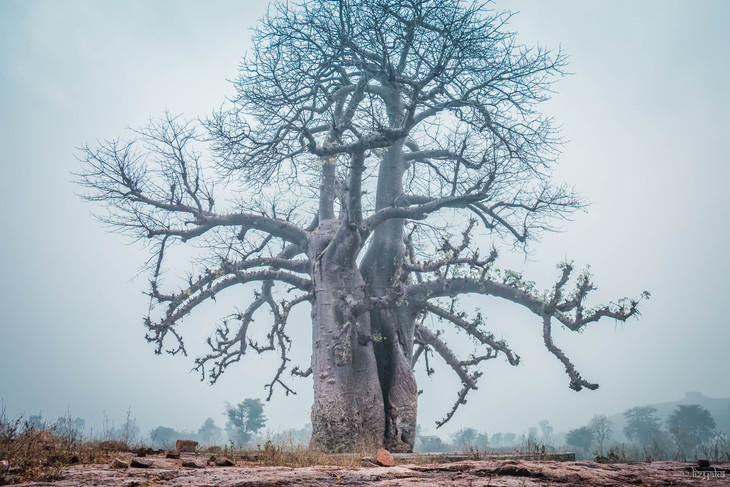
(644, 116)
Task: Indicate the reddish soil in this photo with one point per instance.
(169, 472)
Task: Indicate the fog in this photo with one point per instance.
(645, 116)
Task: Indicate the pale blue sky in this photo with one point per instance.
(646, 116)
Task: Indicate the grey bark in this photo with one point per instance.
(395, 326)
(348, 412)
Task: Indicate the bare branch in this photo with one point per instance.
(469, 381)
(461, 399)
(472, 328)
(427, 337)
(301, 373)
(547, 305)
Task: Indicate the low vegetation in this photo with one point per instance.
(38, 450)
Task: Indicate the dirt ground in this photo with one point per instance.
(169, 472)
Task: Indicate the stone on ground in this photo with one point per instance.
(117, 463)
(186, 445)
(138, 462)
(384, 458)
(224, 462)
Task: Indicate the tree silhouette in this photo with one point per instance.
(690, 426)
(164, 436)
(580, 437)
(600, 426)
(208, 432)
(244, 420)
(642, 425)
(368, 149)
(547, 431)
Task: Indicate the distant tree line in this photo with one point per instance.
(472, 440)
(207, 434)
(688, 433)
(243, 421)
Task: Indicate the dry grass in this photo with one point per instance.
(39, 453)
(288, 453)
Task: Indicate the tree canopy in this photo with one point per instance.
(244, 420)
(642, 424)
(690, 425)
(582, 438)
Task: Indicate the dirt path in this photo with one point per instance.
(166, 472)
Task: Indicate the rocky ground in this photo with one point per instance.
(170, 472)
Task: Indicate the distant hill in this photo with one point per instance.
(718, 407)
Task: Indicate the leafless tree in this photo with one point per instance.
(601, 427)
(360, 135)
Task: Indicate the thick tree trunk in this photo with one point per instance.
(348, 412)
(400, 392)
(396, 326)
(394, 349)
(365, 392)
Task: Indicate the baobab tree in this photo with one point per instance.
(360, 136)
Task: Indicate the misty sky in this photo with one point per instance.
(646, 115)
